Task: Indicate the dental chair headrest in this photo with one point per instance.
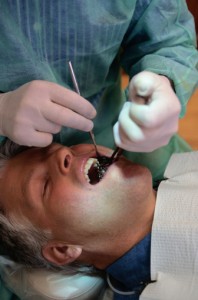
(44, 285)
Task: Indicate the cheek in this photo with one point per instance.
(104, 204)
(70, 203)
(83, 208)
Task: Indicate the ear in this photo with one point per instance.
(60, 253)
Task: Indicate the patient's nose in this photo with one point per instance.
(62, 160)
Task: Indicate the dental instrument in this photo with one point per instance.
(78, 92)
(98, 169)
(116, 154)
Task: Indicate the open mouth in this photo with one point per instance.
(96, 168)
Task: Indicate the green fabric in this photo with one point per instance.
(161, 39)
(37, 38)
(5, 294)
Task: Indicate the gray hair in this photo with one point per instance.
(20, 239)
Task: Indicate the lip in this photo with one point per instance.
(80, 166)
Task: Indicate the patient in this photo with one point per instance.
(53, 216)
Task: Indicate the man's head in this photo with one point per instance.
(47, 190)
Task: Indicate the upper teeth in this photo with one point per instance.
(89, 163)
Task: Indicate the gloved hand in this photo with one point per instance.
(150, 117)
(33, 112)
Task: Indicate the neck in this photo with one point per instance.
(102, 254)
(120, 246)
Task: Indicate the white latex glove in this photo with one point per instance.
(147, 126)
(32, 113)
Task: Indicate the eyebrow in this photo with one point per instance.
(28, 200)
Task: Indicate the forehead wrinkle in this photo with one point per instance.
(25, 190)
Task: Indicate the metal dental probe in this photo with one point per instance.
(78, 92)
(116, 153)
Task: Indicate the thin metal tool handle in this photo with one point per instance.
(78, 91)
(116, 153)
(74, 78)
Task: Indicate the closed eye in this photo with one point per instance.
(45, 186)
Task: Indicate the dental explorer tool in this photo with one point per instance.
(78, 92)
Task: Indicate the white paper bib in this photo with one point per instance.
(174, 245)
